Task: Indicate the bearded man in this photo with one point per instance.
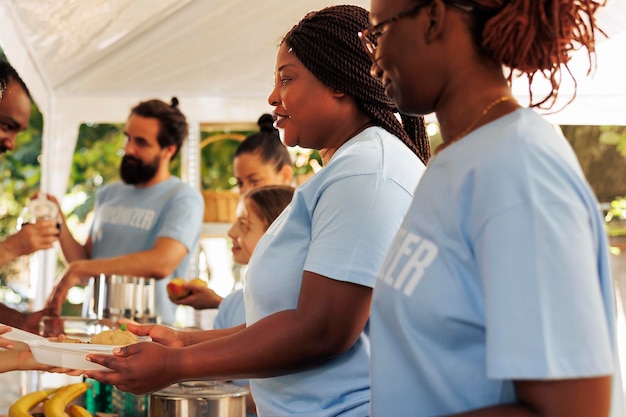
(149, 224)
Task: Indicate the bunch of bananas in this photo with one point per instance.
(55, 406)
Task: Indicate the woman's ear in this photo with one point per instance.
(436, 13)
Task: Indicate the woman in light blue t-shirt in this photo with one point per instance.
(496, 298)
(309, 282)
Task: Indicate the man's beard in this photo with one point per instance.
(134, 171)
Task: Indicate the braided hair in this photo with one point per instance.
(534, 37)
(267, 144)
(327, 44)
(173, 128)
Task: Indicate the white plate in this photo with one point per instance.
(69, 355)
(64, 355)
(18, 335)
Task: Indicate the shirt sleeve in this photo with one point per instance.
(544, 311)
(353, 225)
(182, 217)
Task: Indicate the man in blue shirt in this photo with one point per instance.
(147, 225)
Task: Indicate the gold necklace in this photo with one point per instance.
(472, 125)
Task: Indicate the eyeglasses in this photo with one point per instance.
(370, 36)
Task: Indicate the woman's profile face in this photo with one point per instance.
(251, 171)
(405, 64)
(304, 106)
(245, 233)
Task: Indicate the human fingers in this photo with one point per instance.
(6, 343)
(138, 329)
(118, 363)
(138, 368)
(67, 371)
(47, 227)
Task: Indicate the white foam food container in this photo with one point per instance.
(64, 355)
(69, 355)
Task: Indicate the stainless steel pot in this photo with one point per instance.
(120, 296)
(199, 399)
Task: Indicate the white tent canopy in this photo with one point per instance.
(90, 61)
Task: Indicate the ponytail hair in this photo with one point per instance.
(536, 37)
(267, 144)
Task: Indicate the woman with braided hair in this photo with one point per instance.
(309, 282)
(497, 298)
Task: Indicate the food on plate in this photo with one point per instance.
(117, 337)
(64, 339)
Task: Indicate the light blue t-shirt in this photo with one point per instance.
(339, 224)
(231, 312)
(500, 272)
(129, 219)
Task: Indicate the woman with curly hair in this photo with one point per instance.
(496, 298)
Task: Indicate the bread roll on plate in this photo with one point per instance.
(117, 337)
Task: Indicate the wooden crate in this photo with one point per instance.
(220, 206)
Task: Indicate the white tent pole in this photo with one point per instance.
(190, 156)
(190, 172)
(58, 143)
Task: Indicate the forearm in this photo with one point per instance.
(143, 264)
(9, 361)
(195, 337)
(71, 248)
(277, 345)
(572, 397)
(7, 251)
(158, 262)
(11, 317)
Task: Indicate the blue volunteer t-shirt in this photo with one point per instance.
(129, 219)
(339, 224)
(499, 272)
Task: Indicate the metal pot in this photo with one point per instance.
(199, 399)
(120, 296)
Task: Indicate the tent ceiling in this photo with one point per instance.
(202, 51)
(92, 60)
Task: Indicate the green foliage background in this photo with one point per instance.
(601, 151)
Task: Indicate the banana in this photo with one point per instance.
(22, 406)
(55, 406)
(78, 411)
